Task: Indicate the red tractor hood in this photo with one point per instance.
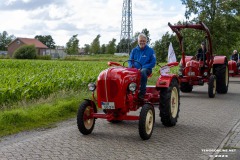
(112, 84)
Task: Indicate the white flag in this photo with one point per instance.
(171, 54)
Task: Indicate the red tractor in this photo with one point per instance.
(212, 69)
(117, 90)
(234, 68)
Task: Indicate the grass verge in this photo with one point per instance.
(40, 115)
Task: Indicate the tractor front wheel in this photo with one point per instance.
(146, 121)
(212, 86)
(85, 120)
(169, 104)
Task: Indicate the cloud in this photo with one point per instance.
(64, 18)
(24, 4)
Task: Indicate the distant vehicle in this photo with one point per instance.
(234, 68)
(212, 69)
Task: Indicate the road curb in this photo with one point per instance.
(230, 141)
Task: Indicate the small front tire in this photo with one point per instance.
(146, 121)
(85, 120)
(212, 86)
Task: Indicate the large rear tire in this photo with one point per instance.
(146, 121)
(222, 77)
(186, 87)
(85, 121)
(169, 104)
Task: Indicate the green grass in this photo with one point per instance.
(44, 114)
(97, 57)
(155, 73)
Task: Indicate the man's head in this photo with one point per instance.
(203, 45)
(142, 40)
(235, 52)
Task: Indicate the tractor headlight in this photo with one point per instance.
(92, 86)
(205, 74)
(132, 86)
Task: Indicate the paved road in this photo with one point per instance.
(204, 125)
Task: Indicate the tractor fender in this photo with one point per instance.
(164, 81)
(220, 60)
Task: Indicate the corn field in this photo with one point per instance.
(33, 79)
(24, 80)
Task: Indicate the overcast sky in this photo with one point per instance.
(64, 18)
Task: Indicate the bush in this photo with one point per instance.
(4, 57)
(45, 57)
(25, 52)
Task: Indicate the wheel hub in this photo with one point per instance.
(174, 102)
(149, 122)
(88, 122)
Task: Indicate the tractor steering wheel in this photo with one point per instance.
(132, 62)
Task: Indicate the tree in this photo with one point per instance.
(103, 49)
(95, 45)
(123, 44)
(161, 47)
(111, 47)
(221, 17)
(5, 39)
(47, 40)
(72, 45)
(86, 48)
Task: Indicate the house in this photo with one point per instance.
(18, 42)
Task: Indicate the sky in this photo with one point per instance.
(64, 18)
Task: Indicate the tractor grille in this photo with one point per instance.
(108, 90)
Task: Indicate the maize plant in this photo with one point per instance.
(33, 79)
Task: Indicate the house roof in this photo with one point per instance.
(30, 41)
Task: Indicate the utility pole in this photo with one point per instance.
(126, 27)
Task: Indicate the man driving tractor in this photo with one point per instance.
(235, 57)
(201, 53)
(146, 57)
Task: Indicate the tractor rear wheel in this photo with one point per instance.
(186, 87)
(146, 121)
(212, 86)
(222, 77)
(85, 121)
(169, 104)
